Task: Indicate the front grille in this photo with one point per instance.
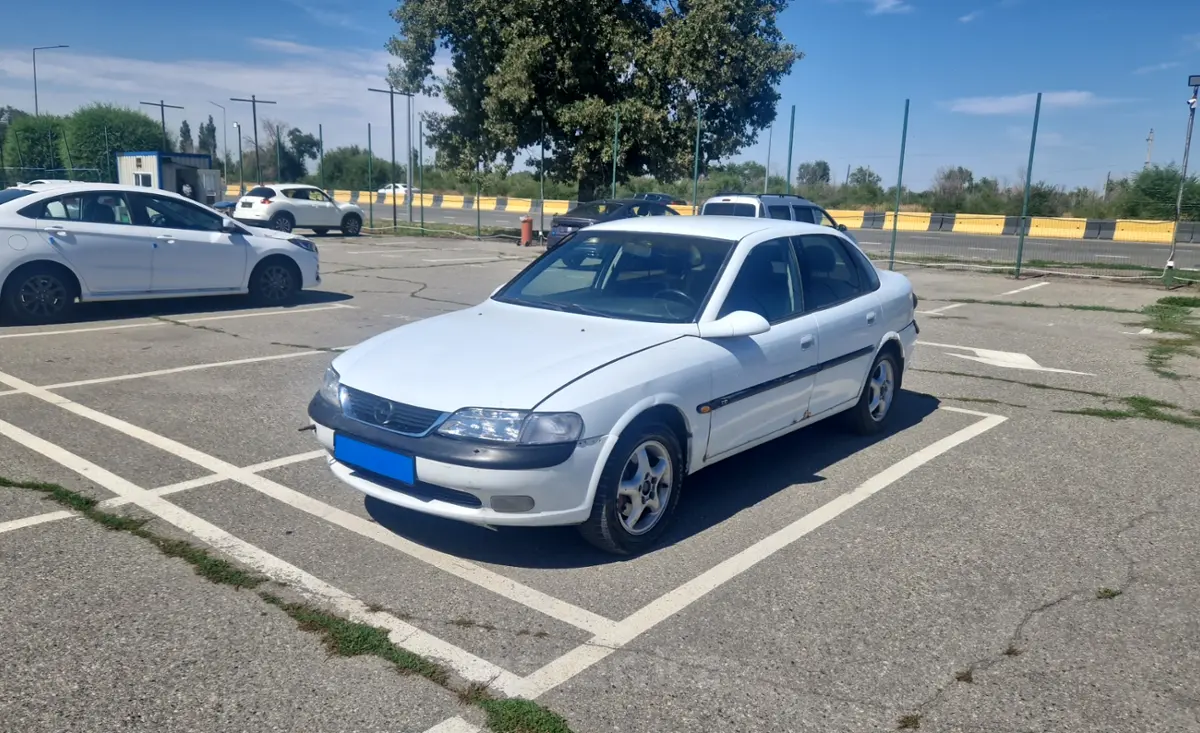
(395, 416)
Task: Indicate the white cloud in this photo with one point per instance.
(1024, 103)
(311, 86)
(327, 13)
(881, 7)
(970, 16)
(1156, 67)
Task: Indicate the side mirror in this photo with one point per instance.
(841, 227)
(734, 325)
(229, 226)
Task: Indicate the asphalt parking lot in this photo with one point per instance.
(1016, 554)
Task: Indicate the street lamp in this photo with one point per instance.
(1194, 83)
(225, 135)
(39, 48)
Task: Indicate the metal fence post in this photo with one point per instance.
(791, 140)
(696, 164)
(616, 146)
(899, 189)
(421, 168)
(1037, 113)
(321, 150)
(478, 220)
(370, 178)
(767, 167)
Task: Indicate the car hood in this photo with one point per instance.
(493, 355)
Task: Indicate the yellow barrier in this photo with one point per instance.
(678, 209)
(452, 201)
(343, 196)
(852, 219)
(486, 203)
(1057, 228)
(557, 207)
(992, 224)
(519, 206)
(1158, 232)
(909, 222)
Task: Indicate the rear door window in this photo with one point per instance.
(804, 214)
(780, 212)
(723, 208)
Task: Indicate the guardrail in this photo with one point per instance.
(1042, 227)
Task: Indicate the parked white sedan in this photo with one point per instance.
(285, 207)
(96, 241)
(588, 388)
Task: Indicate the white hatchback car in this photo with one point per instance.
(285, 207)
(585, 390)
(96, 241)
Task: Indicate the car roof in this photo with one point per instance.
(74, 186)
(773, 198)
(711, 227)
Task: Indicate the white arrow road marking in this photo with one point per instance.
(1003, 359)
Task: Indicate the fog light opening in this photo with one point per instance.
(512, 504)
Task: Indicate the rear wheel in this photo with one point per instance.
(878, 395)
(638, 491)
(283, 222)
(351, 225)
(275, 281)
(38, 294)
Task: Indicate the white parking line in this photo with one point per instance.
(486, 579)
(167, 490)
(1113, 257)
(454, 725)
(402, 634)
(1027, 287)
(943, 309)
(479, 260)
(584, 656)
(166, 321)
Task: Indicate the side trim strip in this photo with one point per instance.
(771, 384)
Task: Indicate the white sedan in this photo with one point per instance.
(285, 207)
(96, 241)
(587, 389)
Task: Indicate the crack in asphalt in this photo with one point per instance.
(422, 286)
(231, 334)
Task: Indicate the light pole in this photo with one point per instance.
(162, 111)
(254, 102)
(1194, 83)
(225, 136)
(241, 162)
(39, 48)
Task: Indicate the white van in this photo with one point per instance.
(788, 207)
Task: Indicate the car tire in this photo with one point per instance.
(647, 458)
(879, 391)
(275, 281)
(283, 222)
(351, 225)
(320, 231)
(38, 294)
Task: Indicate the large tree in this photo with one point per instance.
(97, 132)
(519, 67)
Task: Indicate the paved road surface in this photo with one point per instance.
(913, 244)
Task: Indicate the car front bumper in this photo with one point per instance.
(466, 480)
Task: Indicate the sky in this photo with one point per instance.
(1109, 71)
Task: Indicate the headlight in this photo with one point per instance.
(514, 426)
(303, 243)
(331, 387)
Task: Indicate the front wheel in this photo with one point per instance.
(351, 225)
(878, 395)
(274, 282)
(638, 491)
(37, 295)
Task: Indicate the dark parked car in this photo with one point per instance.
(594, 212)
(662, 198)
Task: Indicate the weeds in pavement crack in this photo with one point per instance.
(1173, 316)
(967, 675)
(1031, 385)
(1107, 594)
(909, 722)
(1145, 408)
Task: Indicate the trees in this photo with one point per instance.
(814, 174)
(185, 138)
(346, 168)
(519, 67)
(96, 132)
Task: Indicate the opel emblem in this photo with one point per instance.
(382, 413)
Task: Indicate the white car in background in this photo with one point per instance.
(287, 206)
(399, 190)
(97, 241)
(45, 183)
(674, 343)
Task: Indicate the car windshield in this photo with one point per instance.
(593, 210)
(729, 209)
(639, 276)
(9, 194)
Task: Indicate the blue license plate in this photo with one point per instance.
(380, 461)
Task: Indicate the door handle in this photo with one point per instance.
(55, 230)
(806, 342)
(871, 318)
(166, 238)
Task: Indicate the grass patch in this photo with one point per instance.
(463, 622)
(475, 694)
(1181, 301)
(1031, 304)
(1012, 651)
(1173, 317)
(1107, 594)
(909, 722)
(346, 638)
(966, 676)
(514, 715)
(1145, 408)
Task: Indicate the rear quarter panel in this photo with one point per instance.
(895, 299)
